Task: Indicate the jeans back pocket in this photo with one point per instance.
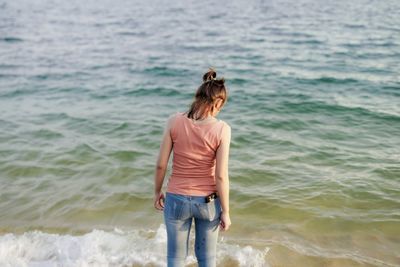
(210, 211)
(215, 210)
(173, 208)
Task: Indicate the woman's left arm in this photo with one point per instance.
(162, 164)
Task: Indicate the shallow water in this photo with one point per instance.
(314, 90)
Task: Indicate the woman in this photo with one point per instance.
(198, 187)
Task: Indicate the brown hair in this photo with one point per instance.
(206, 95)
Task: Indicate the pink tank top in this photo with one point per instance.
(194, 150)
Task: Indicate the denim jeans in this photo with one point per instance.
(179, 212)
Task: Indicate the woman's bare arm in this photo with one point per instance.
(222, 176)
(162, 164)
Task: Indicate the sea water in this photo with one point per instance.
(314, 105)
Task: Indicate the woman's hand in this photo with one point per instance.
(225, 221)
(159, 201)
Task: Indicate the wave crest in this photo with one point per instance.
(102, 248)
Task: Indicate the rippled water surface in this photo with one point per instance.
(314, 106)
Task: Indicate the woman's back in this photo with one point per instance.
(194, 147)
(198, 188)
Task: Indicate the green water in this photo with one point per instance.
(85, 90)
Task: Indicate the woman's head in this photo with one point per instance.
(209, 97)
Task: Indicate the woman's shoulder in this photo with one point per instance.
(224, 124)
(224, 129)
(174, 117)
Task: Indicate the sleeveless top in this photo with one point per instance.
(194, 150)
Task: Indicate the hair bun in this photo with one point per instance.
(209, 75)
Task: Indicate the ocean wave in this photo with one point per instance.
(166, 71)
(327, 79)
(112, 248)
(340, 107)
(158, 91)
(17, 92)
(11, 39)
(322, 75)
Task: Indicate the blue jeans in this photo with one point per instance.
(179, 211)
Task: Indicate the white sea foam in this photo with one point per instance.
(101, 248)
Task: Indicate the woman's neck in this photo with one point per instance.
(207, 117)
(202, 117)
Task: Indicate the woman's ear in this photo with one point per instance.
(218, 104)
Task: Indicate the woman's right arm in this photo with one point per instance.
(222, 176)
(162, 164)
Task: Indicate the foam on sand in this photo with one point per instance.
(101, 248)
